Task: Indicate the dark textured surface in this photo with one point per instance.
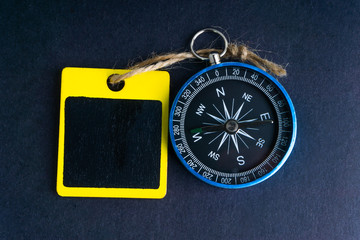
(112, 143)
(316, 194)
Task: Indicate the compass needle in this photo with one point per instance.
(212, 124)
(254, 122)
(246, 121)
(232, 107)
(205, 129)
(228, 148)
(209, 133)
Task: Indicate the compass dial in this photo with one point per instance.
(232, 125)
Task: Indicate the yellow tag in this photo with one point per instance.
(113, 143)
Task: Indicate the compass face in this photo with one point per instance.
(232, 125)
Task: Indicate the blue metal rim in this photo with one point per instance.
(263, 178)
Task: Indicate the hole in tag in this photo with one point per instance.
(117, 86)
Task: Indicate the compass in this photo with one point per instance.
(232, 125)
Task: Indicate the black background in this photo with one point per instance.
(316, 195)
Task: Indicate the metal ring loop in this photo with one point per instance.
(208, 30)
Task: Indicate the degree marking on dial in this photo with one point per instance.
(274, 96)
(181, 102)
(281, 149)
(207, 76)
(245, 73)
(175, 120)
(192, 87)
(262, 82)
(226, 72)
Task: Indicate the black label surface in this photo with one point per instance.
(112, 143)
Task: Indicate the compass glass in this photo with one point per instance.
(232, 125)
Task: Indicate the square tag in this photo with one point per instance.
(113, 143)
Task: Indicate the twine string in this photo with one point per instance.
(234, 51)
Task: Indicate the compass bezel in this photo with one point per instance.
(281, 162)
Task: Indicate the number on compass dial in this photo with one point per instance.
(232, 126)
